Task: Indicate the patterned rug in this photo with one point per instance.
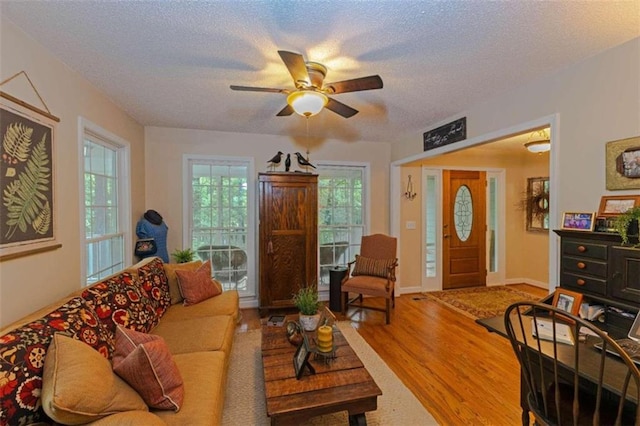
(480, 302)
(244, 402)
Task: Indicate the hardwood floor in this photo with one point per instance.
(461, 373)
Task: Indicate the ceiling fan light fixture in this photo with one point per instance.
(307, 102)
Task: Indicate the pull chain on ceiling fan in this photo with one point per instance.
(311, 94)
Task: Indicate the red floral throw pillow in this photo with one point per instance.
(154, 281)
(145, 363)
(120, 301)
(197, 285)
(22, 354)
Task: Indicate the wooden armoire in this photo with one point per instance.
(288, 236)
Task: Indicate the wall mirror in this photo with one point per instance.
(537, 204)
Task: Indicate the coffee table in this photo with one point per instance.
(338, 385)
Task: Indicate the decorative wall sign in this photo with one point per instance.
(444, 135)
(623, 164)
(27, 186)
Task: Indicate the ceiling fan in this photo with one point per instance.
(310, 93)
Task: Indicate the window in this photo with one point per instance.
(341, 214)
(220, 225)
(105, 210)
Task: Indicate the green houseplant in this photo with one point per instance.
(183, 256)
(624, 222)
(306, 300)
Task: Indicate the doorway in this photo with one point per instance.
(464, 229)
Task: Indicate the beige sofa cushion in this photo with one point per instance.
(78, 385)
(223, 304)
(213, 333)
(170, 269)
(204, 375)
(130, 418)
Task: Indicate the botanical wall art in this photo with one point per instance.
(623, 164)
(27, 213)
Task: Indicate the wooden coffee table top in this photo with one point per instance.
(339, 385)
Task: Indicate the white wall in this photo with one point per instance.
(597, 100)
(30, 282)
(166, 147)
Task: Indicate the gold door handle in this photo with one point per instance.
(270, 248)
(446, 236)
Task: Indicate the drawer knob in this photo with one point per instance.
(580, 281)
(582, 249)
(582, 265)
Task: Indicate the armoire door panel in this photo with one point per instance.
(288, 236)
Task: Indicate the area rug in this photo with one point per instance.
(480, 302)
(244, 397)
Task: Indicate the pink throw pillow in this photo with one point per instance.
(197, 285)
(145, 363)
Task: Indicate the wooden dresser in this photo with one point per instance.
(288, 236)
(606, 273)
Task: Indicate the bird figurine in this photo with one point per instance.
(287, 163)
(303, 161)
(275, 160)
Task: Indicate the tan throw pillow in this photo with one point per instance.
(170, 269)
(197, 285)
(373, 267)
(79, 386)
(144, 361)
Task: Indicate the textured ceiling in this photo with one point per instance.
(170, 63)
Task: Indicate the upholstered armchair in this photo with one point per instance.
(372, 273)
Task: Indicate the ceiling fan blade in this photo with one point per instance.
(341, 109)
(258, 89)
(296, 66)
(357, 84)
(285, 111)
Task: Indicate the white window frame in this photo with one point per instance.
(89, 130)
(249, 296)
(366, 197)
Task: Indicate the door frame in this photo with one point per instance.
(396, 191)
(493, 278)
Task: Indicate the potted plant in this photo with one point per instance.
(183, 256)
(306, 300)
(627, 224)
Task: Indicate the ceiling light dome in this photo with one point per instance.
(307, 102)
(538, 146)
(541, 145)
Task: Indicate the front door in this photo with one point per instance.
(463, 229)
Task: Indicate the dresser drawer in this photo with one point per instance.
(583, 284)
(585, 249)
(584, 266)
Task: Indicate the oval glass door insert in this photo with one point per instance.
(463, 213)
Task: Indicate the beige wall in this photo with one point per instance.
(518, 167)
(166, 147)
(597, 100)
(30, 282)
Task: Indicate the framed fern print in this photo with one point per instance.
(27, 186)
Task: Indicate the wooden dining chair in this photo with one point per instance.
(372, 273)
(555, 393)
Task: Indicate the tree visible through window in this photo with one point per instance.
(341, 215)
(105, 205)
(219, 211)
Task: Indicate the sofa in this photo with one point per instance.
(57, 365)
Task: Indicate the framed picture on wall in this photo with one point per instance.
(27, 179)
(578, 221)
